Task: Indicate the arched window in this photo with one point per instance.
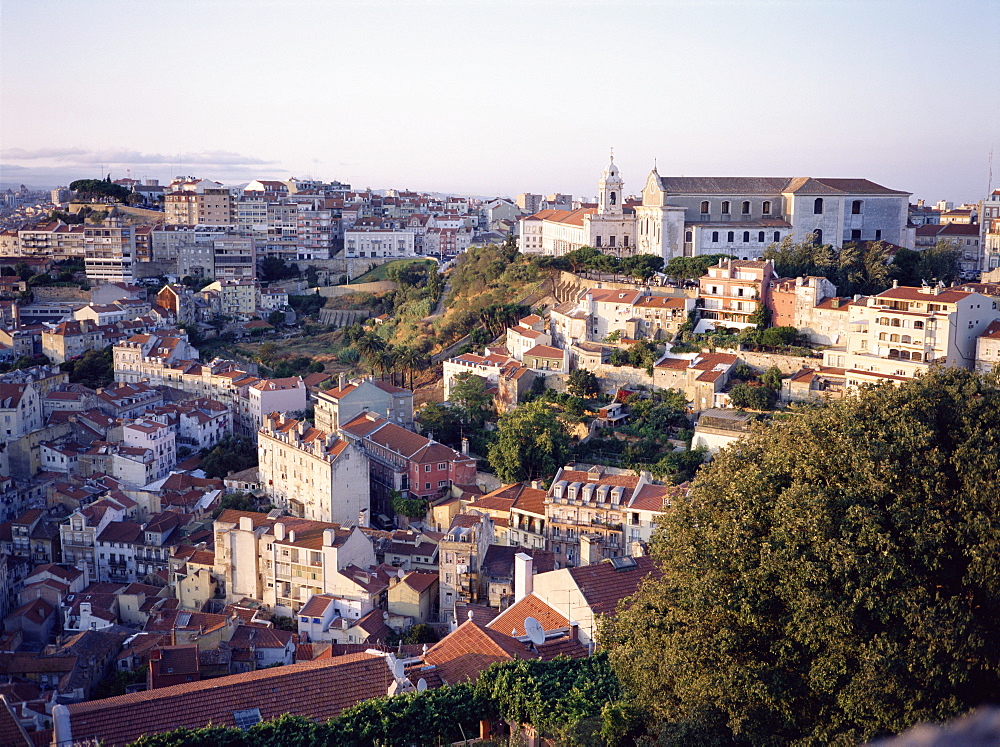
(894, 353)
(918, 325)
(893, 338)
(725, 207)
(895, 323)
(904, 355)
(818, 206)
(688, 236)
(746, 207)
(765, 208)
(881, 336)
(777, 236)
(729, 237)
(916, 357)
(760, 237)
(715, 237)
(614, 198)
(746, 237)
(705, 207)
(905, 339)
(819, 235)
(856, 207)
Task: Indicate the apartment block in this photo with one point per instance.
(313, 473)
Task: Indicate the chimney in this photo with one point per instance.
(329, 536)
(574, 630)
(363, 517)
(835, 303)
(342, 380)
(246, 524)
(291, 536)
(279, 531)
(895, 283)
(524, 582)
(536, 485)
(465, 446)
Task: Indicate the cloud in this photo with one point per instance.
(85, 156)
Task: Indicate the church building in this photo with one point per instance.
(740, 216)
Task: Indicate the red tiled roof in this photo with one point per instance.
(512, 619)
(656, 497)
(419, 581)
(471, 648)
(603, 586)
(907, 293)
(318, 690)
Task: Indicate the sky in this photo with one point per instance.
(499, 98)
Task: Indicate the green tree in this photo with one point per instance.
(94, 369)
(276, 318)
(692, 268)
(935, 263)
(470, 396)
(531, 443)
(772, 378)
(834, 578)
(583, 383)
(231, 454)
(102, 190)
(441, 422)
(413, 508)
(753, 397)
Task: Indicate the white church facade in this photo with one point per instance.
(740, 216)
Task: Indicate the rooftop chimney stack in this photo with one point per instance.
(524, 582)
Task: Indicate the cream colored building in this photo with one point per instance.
(282, 562)
(903, 331)
(238, 298)
(312, 473)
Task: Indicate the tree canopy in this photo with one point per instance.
(935, 263)
(833, 577)
(854, 268)
(103, 190)
(231, 454)
(531, 443)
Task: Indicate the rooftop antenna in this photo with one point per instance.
(989, 186)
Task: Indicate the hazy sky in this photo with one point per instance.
(502, 97)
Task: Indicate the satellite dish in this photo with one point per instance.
(421, 685)
(534, 630)
(397, 668)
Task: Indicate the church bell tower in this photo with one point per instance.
(609, 190)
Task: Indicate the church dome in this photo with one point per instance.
(611, 172)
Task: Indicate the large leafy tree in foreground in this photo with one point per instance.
(833, 577)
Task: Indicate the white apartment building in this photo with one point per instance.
(283, 562)
(268, 396)
(901, 332)
(156, 437)
(372, 241)
(312, 473)
(20, 410)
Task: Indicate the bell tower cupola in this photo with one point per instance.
(609, 192)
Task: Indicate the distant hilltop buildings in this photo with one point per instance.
(741, 216)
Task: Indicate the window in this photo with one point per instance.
(878, 235)
(705, 208)
(746, 207)
(730, 237)
(715, 237)
(611, 240)
(624, 240)
(442, 465)
(818, 206)
(746, 237)
(777, 236)
(442, 483)
(597, 242)
(855, 234)
(765, 207)
(427, 486)
(818, 233)
(725, 207)
(760, 237)
(688, 236)
(856, 207)
(427, 468)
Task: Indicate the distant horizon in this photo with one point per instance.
(495, 98)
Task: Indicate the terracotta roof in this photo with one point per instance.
(603, 586)
(656, 497)
(545, 351)
(471, 648)
(481, 613)
(318, 690)
(661, 302)
(993, 331)
(419, 581)
(12, 734)
(511, 620)
(906, 293)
